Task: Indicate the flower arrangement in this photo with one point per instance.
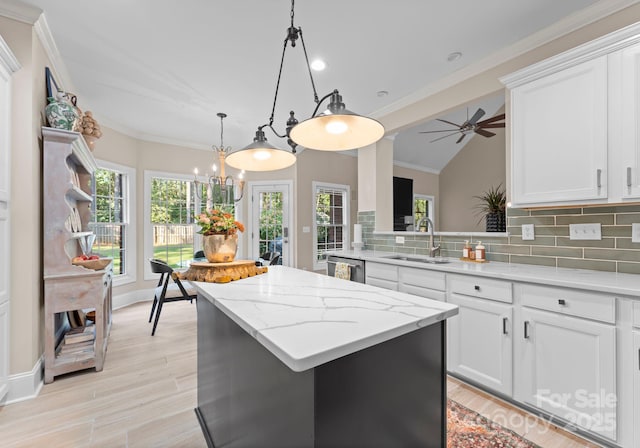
(218, 222)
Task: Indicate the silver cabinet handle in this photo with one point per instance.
(599, 177)
(504, 325)
(628, 176)
(526, 329)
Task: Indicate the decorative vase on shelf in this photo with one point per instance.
(61, 113)
(220, 248)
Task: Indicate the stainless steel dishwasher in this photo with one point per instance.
(357, 267)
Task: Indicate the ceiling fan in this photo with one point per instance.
(470, 126)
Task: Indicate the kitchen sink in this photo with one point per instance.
(433, 260)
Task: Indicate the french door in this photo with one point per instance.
(270, 217)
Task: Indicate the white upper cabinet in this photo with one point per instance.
(624, 122)
(574, 125)
(559, 136)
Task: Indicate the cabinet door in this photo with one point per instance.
(480, 342)
(569, 369)
(626, 115)
(4, 349)
(636, 386)
(559, 137)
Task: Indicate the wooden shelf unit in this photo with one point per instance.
(67, 161)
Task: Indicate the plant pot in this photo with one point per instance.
(495, 222)
(220, 248)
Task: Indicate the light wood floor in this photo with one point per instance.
(146, 394)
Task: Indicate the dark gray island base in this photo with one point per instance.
(389, 395)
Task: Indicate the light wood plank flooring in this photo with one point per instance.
(146, 394)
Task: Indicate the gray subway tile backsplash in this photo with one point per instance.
(552, 247)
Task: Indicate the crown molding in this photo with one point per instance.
(58, 66)
(8, 61)
(20, 12)
(571, 23)
(596, 48)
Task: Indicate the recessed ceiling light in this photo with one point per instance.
(454, 56)
(382, 93)
(318, 65)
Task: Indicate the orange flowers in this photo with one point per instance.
(218, 222)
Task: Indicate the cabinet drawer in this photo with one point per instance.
(596, 306)
(386, 284)
(422, 292)
(381, 271)
(636, 314)
(422, 278)
(485, 288)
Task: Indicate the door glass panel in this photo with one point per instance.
(271, 229)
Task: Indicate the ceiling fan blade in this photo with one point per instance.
(443, 130)
(492, 119)
(484, 133)
(479, 113)
(449, 122)
(490, 125)
(461, 138)
(445, 136)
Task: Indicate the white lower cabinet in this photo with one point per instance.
(381, 275)
(4, 349)
(569, 369)
(636, 387)
(480, 342)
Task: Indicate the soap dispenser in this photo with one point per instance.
(466, 250)
(480, 252)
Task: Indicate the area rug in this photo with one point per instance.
(468, 429)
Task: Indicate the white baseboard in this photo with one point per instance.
(25, 385)
(129, 298)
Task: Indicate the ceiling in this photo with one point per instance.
(161, 70)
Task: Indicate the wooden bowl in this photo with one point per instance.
(96, 265)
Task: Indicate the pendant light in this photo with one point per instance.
(334, 129)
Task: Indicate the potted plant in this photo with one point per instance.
(219, 235)
(492, 208)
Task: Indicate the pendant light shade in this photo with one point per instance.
(260, 156)
(337, 129)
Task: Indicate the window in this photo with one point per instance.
(170, 205)
(422, 207)
(331, 223)
(112, 220)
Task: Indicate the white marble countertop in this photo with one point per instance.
(307, 319)
(608, 282)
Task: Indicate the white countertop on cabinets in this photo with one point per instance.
(307, 319)
(608, 282)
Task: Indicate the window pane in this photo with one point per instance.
(331, 220)
(173, 204)
(108, 218)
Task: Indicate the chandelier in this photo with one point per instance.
(221, 189)
(333, 129)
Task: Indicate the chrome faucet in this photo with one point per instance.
(433, 250)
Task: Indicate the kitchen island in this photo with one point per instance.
(296, 359)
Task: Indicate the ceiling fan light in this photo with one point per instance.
(260, 156)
